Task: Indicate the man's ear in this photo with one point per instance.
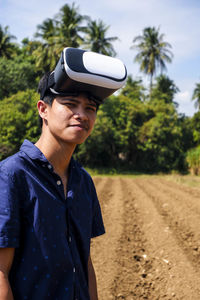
(42, 109)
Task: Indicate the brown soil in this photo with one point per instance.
(151, 249)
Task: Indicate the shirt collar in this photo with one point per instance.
(32, 151)
(35, 154)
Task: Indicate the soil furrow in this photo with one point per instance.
(104, 249)
(184, 229)
(187, 197)
(168, 259)
(151, 247)
(131, 281)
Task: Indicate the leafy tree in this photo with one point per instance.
(166, 86)
(55, 34)
(164, 90)
(134, 89)
(114, 141)
(187, 131)
(47, 29)
(7, 47)
(16, 75)
(153, 52)
(71, 25)
(18, 120)
(47, 56)
(193, 160)
(195, 124)
(160, 141)
(96, 39)
(97, 151)
(196, 96)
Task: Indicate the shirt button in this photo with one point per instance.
(49, 166)
(74, 270)
(70, 239)
(58, 182)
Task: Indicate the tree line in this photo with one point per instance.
(138, 129)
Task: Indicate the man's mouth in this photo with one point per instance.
(83, 126)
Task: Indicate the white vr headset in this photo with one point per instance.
(84, 71)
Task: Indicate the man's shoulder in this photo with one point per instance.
(85, 180)
(82, 171)
(12, 164)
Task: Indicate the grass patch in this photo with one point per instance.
(114, 172)
(189, 180)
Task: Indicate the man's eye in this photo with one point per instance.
(91, 108)
(69, 104)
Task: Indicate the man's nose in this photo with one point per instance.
(80, 114)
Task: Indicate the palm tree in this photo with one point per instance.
(7, 48)
(70, 25)
(96, 39)
(134, 89)
(166, 86)
(55, 34)
(153, 52)
(196, 96)
(47, 29)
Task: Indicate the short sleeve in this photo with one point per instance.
(9, 211)
(97, 222)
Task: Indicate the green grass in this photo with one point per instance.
(188, 180)
(112, 172)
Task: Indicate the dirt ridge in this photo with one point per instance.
(152, 246)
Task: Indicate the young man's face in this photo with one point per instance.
(71, 118)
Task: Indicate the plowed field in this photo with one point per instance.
(151, 249)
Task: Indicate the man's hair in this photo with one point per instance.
(48, 97)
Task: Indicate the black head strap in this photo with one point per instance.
(49, 82)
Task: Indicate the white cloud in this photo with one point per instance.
(183, 96)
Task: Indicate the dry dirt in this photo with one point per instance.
(151, 249)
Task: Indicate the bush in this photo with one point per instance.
(193, 160)
(18, 120)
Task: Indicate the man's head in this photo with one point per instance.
(80, 82)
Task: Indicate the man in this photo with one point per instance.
(49, 209)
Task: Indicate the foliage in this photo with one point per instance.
(134, 89)
(70, 29)
(164, 86)
(16, 75)
(193, 159)
(96, 39)
(196, 96)
(18, 120)
(153, 51)
(195, 124)
(7, 47)
(55, 34)
(160, 141)
(135, 135)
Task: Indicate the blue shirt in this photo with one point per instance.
(51, 233)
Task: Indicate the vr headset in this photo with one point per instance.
(83, 71)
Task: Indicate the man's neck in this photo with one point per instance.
(57, 153)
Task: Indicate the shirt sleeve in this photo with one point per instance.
(9, 211)
(97, 222)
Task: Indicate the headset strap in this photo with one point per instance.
(49, 83)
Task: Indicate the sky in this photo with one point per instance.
(178, 20)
